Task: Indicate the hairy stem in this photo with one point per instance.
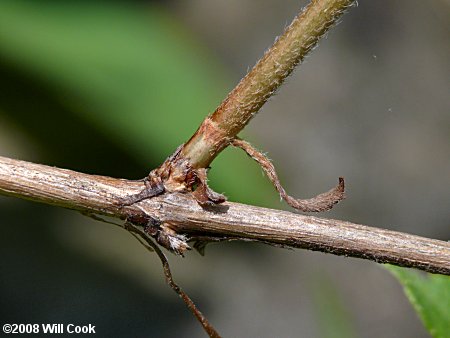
(244, 101)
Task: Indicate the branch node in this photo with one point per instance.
(160, 231)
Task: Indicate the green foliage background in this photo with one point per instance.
(134, 78)
(430, 296)
(113, 88)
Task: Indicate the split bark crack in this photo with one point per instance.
(174, 203)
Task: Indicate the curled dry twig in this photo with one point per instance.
(322, 202)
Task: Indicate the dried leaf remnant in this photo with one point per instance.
(319, 203)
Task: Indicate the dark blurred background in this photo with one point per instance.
(112, 88)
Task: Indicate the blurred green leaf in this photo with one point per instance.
(430, 296)
(334, 319)
(129, 70)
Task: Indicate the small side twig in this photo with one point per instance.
(322, 202)
(142, 237)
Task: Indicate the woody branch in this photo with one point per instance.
(97, 194)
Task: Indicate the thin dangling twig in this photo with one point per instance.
(146, 241)
(152, 246)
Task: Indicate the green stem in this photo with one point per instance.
(245, 100)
